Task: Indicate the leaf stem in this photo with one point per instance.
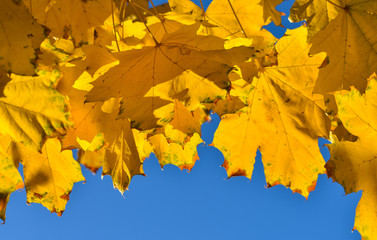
(336, 5)
(202, 7)
(112, 16)
(158, 15)
(239, 23)
(204, 13)
(122, 10)
(146, 26)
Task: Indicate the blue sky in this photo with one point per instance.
(203, 204)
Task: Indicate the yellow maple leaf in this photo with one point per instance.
(10, 178)
(269, 10)
(32, 109)
(142, 111)
(349, 40)
(353, 164)
(185, 121)
(122, 160)
(177, 52)
(70, 18)
(310, 11)
(92, 160)
(75, 83)
(20, 35)
(186, 7)
(138, 10)
(190, 89)
(49, 175)
(239, 19)
(54, 52)
(174, 153)
(283, 119)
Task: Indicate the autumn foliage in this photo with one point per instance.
(119, 80)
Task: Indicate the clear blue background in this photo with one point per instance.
(203, 204)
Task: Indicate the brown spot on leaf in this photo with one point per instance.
(312, 187)
(296, 191)
(3, 202)
(37, 195)
(225, 165)
(65, 196)
(330, 167)
(91, 168)
(20, 185)
(273, 184)
(187, 166)
(239, 172)
(325, 62)
(196, 157)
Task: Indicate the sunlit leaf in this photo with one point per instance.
(32, 109)
(20, 36)
(10, 178)
(70, 18)
(283, 120)
(122, 160)
(177, 52)
(353, 164)
(349, 41)
(49, 175)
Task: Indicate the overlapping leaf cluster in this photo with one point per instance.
(119, 80)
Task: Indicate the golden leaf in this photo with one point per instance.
(50, 175)
(33, 110)
(174, 153)
(71, 18)
(20, 35)
(122, 160)
(177, 52)
(10, 178)
(353, 164)
(239, 19)
(284, 120)
(269, 10)
(349, 41)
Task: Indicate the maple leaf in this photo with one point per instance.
(20, 36)
(54, 52)
(353, 164)
(186, 7)
(348, 39)
(71, 18)
(122, 160)
(286, 136)
(185, 121)
(239, 19)
(49, 175)
(75, 83)
(142, 111)
(10, 178)
(190, 89)
(139, 80)
(313, 12)
(177, 52)
(174, 153)
(33, 110)
(92, 154)
(139, 9)
(269, 10)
